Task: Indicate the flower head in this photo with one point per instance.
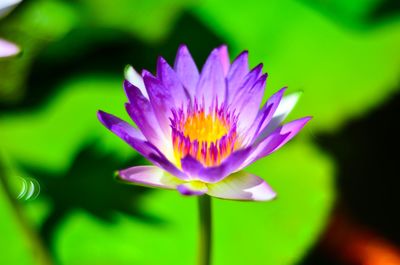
(7, 48)
(201, 129)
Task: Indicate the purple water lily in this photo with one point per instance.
(7, 48)
(201, 129)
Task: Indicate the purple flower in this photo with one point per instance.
(7, 48)
(201, 129)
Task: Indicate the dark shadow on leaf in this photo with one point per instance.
(89, 186)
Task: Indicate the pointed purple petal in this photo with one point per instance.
(264, 148)
(211, 85)
(161, 101)
(238, 70)
(126, 132)
(276, 140)
(291, 129)
(242, 186)
(170, 80)
(142, 113)
(186, 70)
(249, 105)
(263, 118)
(224, 56)
(121, 128)
(137, 140)
(150, 176)
(285, 106)
(143, 117)
(248, 81)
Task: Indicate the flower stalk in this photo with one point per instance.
(205, 230)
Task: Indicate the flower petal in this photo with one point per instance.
(128, 133)
(8, 49)
(291, 129)
(248, 82)
(264, 148)
(249, 105)
(137, 140)
(276, 140)
(224, 56)
(263, 118)
(286, 105)
(242, 186)
(151, 176)
(238, 70)
(161, 101)
(196, 170)
(121, 128)
(142, 114)
(186, 70)
(194, 188)
(170, 80)
(211, 85)
(135, 79)
(7, 5)
(141, 111)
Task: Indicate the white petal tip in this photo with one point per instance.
(262, 192)
(135, 79)
(8, 49)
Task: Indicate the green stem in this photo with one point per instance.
(205, 230)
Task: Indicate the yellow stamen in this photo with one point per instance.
(204, 128)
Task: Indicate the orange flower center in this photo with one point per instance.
(205, 128)
(208, 137)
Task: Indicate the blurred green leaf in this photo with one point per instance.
(51, 136)
(149, 20)
(343, 73)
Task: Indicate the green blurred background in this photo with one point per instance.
(344, 55)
